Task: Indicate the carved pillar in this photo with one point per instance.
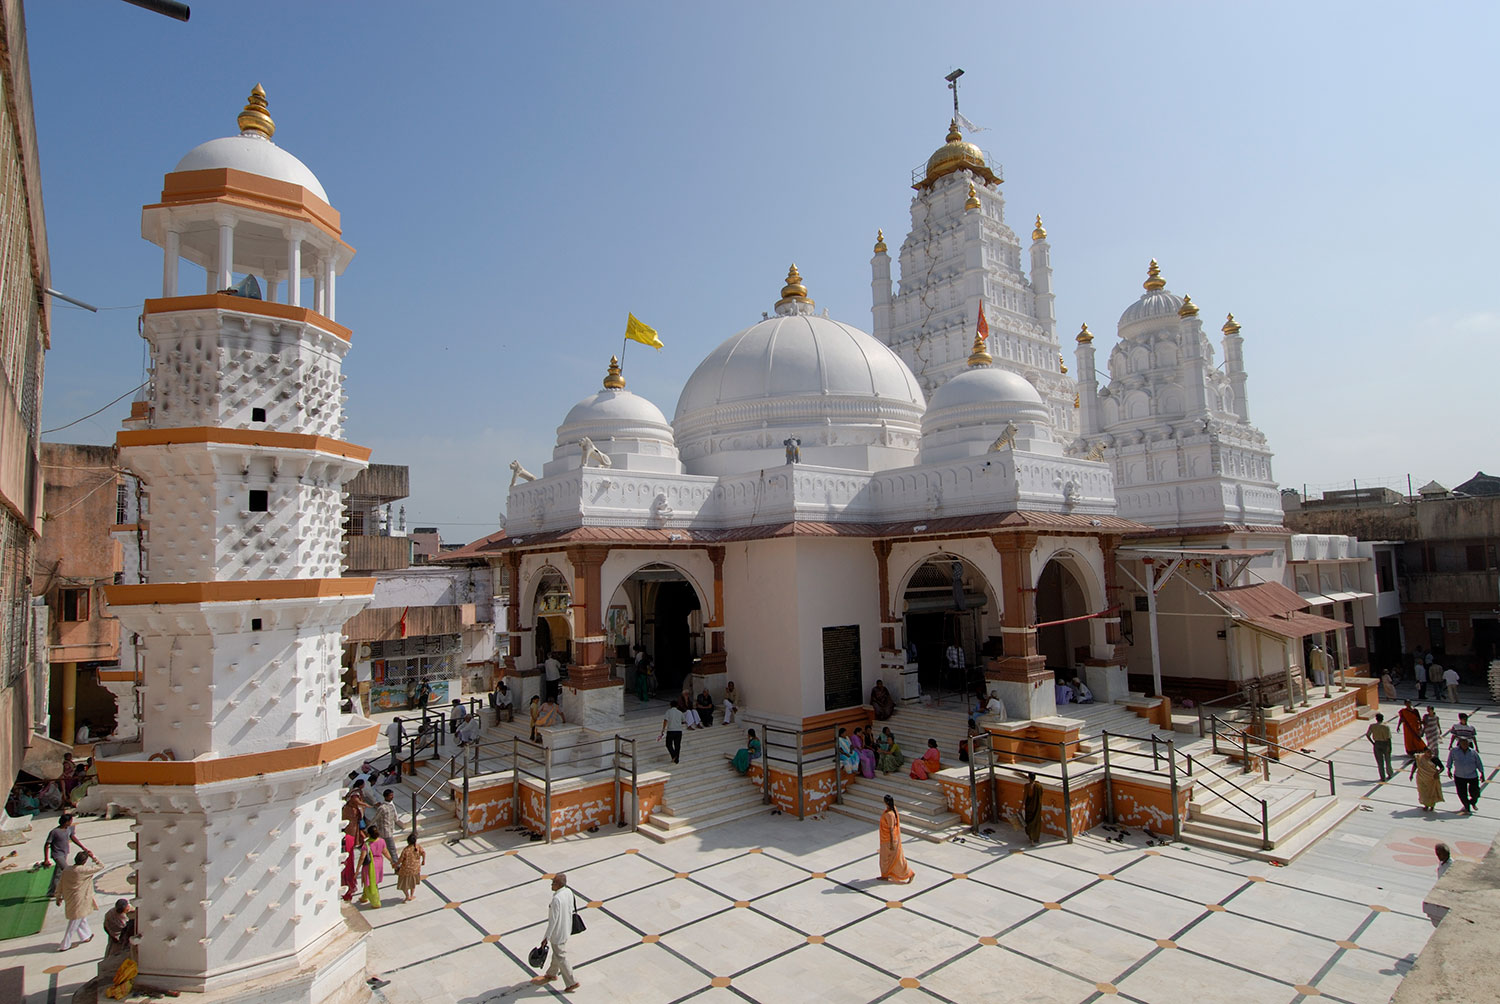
(887, 619)
(512, 612)
(1020, 677)
(1105, 670)
(590, 668)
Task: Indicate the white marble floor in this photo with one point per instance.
(770, 909)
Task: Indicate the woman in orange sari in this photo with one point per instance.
(1411, 730)
(893, 866)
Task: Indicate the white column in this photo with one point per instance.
(169, 264)
(225, 277)
(294, 269)
(319, 293)
(268, 286)
(328, 284)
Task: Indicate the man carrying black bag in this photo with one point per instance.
(562, 920)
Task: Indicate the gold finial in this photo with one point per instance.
(953, 134)
(794, 291)
(255, 118)
(973, 202)
(614, 380)
(1062, 367)
(1188, 308)
(1040, 233)
(880, 242)
(1077, 400)
(1154, 281)
(1231, 327)
(1085, 336)
(981, 355)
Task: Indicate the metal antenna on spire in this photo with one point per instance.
(952, 79)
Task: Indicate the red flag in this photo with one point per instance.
(983, 327)
(403, 620)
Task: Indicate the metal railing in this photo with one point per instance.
(1246, 738)
(803, 750)
(430, 789)
(1264, 818)
(615, 755)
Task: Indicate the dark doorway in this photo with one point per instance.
(1058, 597)
(1486, 644)
(671, 632)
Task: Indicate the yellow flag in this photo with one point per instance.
(643, 333)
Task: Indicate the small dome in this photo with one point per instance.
(252, 153)
(1155, 303)
(848, 397)
(628, 429)
(957, 154)
(972, 410)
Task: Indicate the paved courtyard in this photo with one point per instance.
(773, 910)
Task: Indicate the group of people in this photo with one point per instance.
(862, 752)
(368, 845)
(1422, 736)
(1073, 691)
(72, 888)
(688, 713)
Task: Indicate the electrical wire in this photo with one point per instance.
(79, 501)
(91, 414)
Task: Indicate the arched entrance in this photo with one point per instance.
(668, 621)
(1060, 595)
(553, 616)
(946, 602)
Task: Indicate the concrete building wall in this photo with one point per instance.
(838, 585)
(762, 643)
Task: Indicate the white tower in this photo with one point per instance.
(236, 790)
(960, 254)
(1184, 454)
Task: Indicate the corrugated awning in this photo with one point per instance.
(1199, 552)
(1262, 599)
(1295, 624)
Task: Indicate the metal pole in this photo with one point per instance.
(464, 819)
(635, 817)
(619, 794)
(1331, 786)
(1172, 771)
(1068, 798)
(1155, 637)
(1245, 750)
(547, 795)
(973, 794)
(1155, 756)
(515, 781)
(1109, 795)
(1265, 827)
(801, 808)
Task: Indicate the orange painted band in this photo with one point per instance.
(240, 437)
(225, 184)
(245, 305)
(237, 591)
(231, 767)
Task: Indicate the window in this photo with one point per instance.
(75, 604)
(842, 679)
(122, 500)
(259, 500)
(255, 624)
(257, 414)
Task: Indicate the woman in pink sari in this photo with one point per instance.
(352, 847)
(893, 866)
(928, 763)
(865, 754)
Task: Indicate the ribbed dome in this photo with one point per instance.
(1153, 304)
(956, 154)
(973, 409)
(849, 398)
(252, 153)
(625, 427)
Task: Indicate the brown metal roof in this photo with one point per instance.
(1295, 624)
(497, 543)
(1263, 599)
(1203, 552)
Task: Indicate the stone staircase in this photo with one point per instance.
(923, 806)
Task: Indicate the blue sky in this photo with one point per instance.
(516, 177)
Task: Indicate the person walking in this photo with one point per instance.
(56, 849)
(455, 716)
(372, 866)
(671, 730)
(1432, 733)
(1031, 808)
(76, 892)
(1463, 730)
(1450, 683)
(393, 735)
(1465, 767)
(388, 817)
(409, 867)
(560, 914)
(1429, 781)
(1411, 729)
(893, 866)
(1419, 673)
(1379, 734)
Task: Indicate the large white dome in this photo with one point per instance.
(850, 400)
(252, 153)
(628, 429)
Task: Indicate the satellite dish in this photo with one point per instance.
(248, 288)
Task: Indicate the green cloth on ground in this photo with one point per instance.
(23, 901)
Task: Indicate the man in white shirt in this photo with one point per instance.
(504, 708)
(553, 670)
(1450, 680)
(1419, 673)
(559, 925)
